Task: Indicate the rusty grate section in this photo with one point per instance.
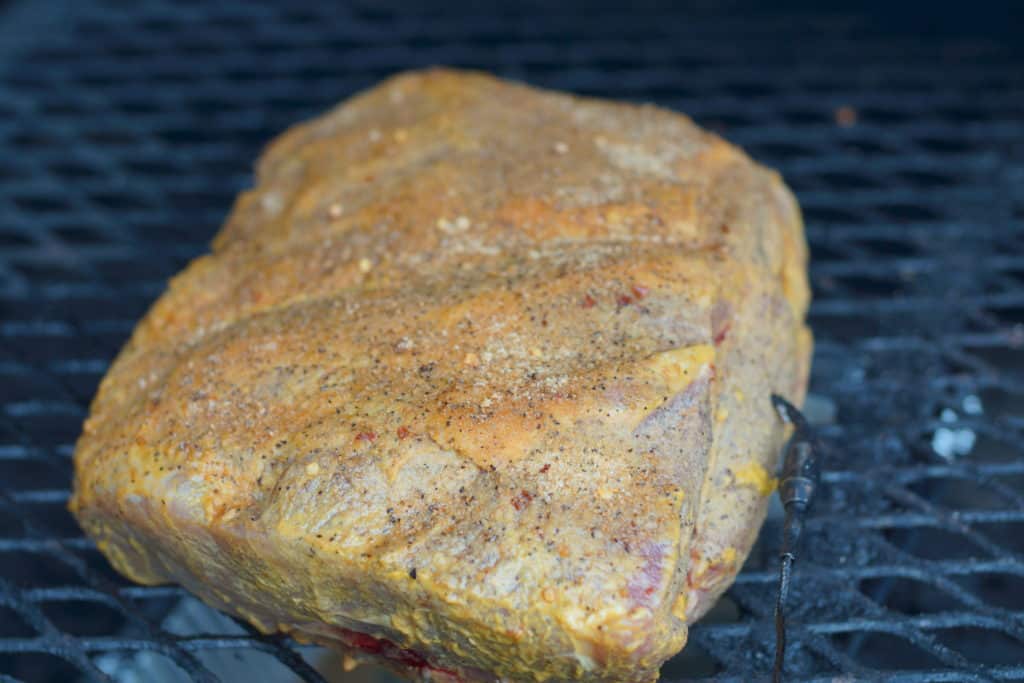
(126, 128)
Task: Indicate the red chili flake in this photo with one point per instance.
(722, 333)
(588, 301)
(521, 500)
(624, 300)
(404, 433)
(725, 229)
(640, 291)
(366, 436)
(547, 466)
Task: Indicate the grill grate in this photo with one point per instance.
(126, 128)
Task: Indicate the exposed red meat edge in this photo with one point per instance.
(385, 648)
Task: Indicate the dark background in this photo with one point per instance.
(126, 128)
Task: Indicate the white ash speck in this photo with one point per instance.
(948, 443)
(972, 405)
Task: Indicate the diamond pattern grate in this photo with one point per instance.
(126, 128)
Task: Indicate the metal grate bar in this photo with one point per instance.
(127, 127)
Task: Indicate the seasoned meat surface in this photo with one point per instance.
(475, 382)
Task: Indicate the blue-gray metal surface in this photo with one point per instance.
(126, 128)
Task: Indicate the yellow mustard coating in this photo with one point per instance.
(754, 475)
(449, 378)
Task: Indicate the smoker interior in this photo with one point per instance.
(126, 128)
